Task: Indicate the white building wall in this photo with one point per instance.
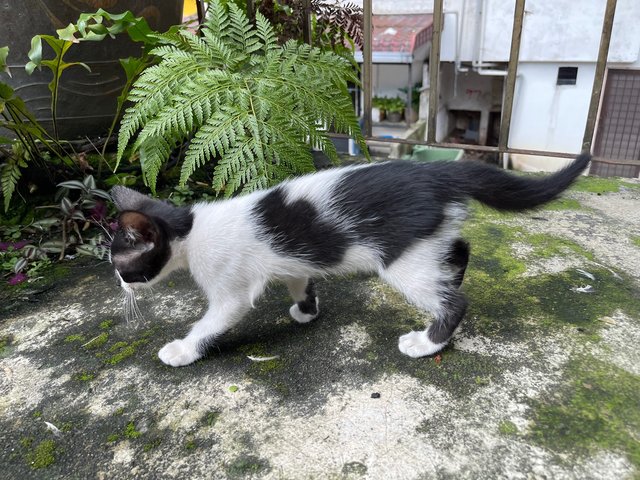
(553, 30)
(547, 116)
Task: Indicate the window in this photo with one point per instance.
(567, 75)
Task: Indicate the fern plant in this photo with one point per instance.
(250, 105)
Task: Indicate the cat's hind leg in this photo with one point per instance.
(436, 337)
(458, 258)
(306, 306)
(429, 277)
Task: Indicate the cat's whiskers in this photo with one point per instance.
(130, 305)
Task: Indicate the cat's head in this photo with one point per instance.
(141, 249)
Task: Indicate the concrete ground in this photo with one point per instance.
(542, 380)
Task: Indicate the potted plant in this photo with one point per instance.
(395, 109)
(378, 109)
(415, 102)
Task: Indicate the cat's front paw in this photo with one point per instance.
(417, 344)
(179, 353)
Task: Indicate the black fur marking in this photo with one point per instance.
(393, 205)
(179, 220)
(308, 305)
(169, 222)
(296, 229)
(145, 265)
(444, 325)
(458, 257)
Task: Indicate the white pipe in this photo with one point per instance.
(479, 65)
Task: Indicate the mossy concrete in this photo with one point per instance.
(540, 381)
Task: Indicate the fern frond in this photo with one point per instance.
(266, 34)
(241, 35)
(153, 154)
(253, 107)
(150, 93)
(217, 21)
(9, 178)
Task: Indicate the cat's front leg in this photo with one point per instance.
(194, 346)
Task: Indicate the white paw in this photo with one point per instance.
(417, 344)
(179, 353)
(300, 317)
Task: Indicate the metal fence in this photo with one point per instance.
(510, 82)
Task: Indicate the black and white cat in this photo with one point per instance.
(399, 220)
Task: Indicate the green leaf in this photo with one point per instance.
(35, 54)
(73, 185)
(68, 33)
(4, 52)
(66, 206)
(89, 182)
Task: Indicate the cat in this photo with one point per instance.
(398, 219)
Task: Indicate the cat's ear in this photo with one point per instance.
(138, 228)
(127, 199)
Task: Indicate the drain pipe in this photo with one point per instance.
(479, 65)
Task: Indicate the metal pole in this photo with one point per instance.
(512, 73)
(598, 80)
(409, 94)
(434, 71)
(367, 65)
(306, 21)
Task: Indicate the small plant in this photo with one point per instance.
(251, 106)
(73, 217)
(379, 102)
(395, 105)
(76, 216)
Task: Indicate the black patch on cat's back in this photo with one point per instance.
(392, 205)
(296, 229)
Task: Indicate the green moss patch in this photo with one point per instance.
(74, 338)
(211, 418)
(500, 297)
(245, 466)
(84, 376)
(563, 203)
(106, 325)
(507, 428)
(636, 241)
(123, 350)
(97, 342)
(598, 409)
(6, 342)
(42, 455)
(600, 185)
(130, 431)
(260, 369)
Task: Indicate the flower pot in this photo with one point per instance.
(87, 100)
(394, 116)
(377, 114)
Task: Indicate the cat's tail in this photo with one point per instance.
(505, 191)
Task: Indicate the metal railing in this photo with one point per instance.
(510, 82)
